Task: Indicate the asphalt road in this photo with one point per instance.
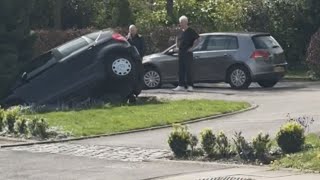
(80, 160)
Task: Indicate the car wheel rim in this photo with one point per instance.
(121, 67)
(151, 79)
(238, 77)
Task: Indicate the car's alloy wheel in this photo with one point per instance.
(239, 78)
(121, 67)
(152, 79)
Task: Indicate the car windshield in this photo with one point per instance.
(71, 46)
(265, 42)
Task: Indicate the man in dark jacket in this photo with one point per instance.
(186, 41)
(136, 40)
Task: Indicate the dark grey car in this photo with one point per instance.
(235, 58)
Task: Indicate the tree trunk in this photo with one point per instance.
(57, 14)
(169, 9)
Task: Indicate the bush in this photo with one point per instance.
(2, 116)
(243, 148)
(208, 141)
(179, 140)
(223, 146)
(11, 116)
(291, 137)
(20, 126)
(313, 54)
(38, 127)
(261, 145)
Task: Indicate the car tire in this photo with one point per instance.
(268, 84)
(239, 77)
(151, 78)
(121, 75)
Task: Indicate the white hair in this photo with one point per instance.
(183, 18)
(132, 26)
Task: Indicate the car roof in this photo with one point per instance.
(250, 34)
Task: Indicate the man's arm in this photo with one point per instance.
(195, 44)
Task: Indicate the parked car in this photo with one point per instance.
(94, 65)
(235, 58)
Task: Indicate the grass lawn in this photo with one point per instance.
(111, 119)
(306, 160)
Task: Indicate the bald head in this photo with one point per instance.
(133, 30)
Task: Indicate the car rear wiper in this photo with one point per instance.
(275, 46)
(98, 37)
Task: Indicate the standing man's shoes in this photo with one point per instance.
(190, 88)
(179, 88)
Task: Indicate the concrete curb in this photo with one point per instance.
(191, 121)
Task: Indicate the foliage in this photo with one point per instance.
(2, 117)
(20, 126)
(208, 141)
(223, 146)
(11, 116)
(179, 140)
(313, 55)
(38, 127)
(243, 148)
(304, 121)
(261, 145)
(15, 40)
(291, 137)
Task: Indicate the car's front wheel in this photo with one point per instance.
(268, 84)
(151, 78)
(121, 76)
(239, 77)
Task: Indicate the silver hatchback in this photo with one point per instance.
(235, 58)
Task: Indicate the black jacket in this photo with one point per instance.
(138, 42)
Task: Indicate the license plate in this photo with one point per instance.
(279, 69)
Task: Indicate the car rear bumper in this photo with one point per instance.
(271, 72)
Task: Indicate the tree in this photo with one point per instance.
(169, 8)
(15, 39)
(58, 5)
(121, 14)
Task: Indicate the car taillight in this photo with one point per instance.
(260, 54)
(118, 37)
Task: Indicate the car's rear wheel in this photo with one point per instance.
(239, 77)
(151, 78)
(121, 76)
(268, 84)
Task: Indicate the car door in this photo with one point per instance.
(218, 52)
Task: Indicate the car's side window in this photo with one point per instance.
(215, 43)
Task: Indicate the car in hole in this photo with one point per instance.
(235, 58)
(99, 64)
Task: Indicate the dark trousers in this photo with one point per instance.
(185, 69)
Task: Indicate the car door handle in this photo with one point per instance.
(226, 55)
(197, 57)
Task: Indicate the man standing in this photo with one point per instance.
(186, 41)
(136, 40)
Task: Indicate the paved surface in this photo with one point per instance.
(133, 156)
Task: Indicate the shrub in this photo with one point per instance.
(20, 126)
(261, 145)
(11, 116)
(291, 137)
(223, 146)
(179, 140)
(2, 116)
(313, 54)
(38, 127)
(243, 148)
(208, 141)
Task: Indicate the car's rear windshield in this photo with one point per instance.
(71, 46)
(265, 42)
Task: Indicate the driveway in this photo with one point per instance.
(132, 156)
